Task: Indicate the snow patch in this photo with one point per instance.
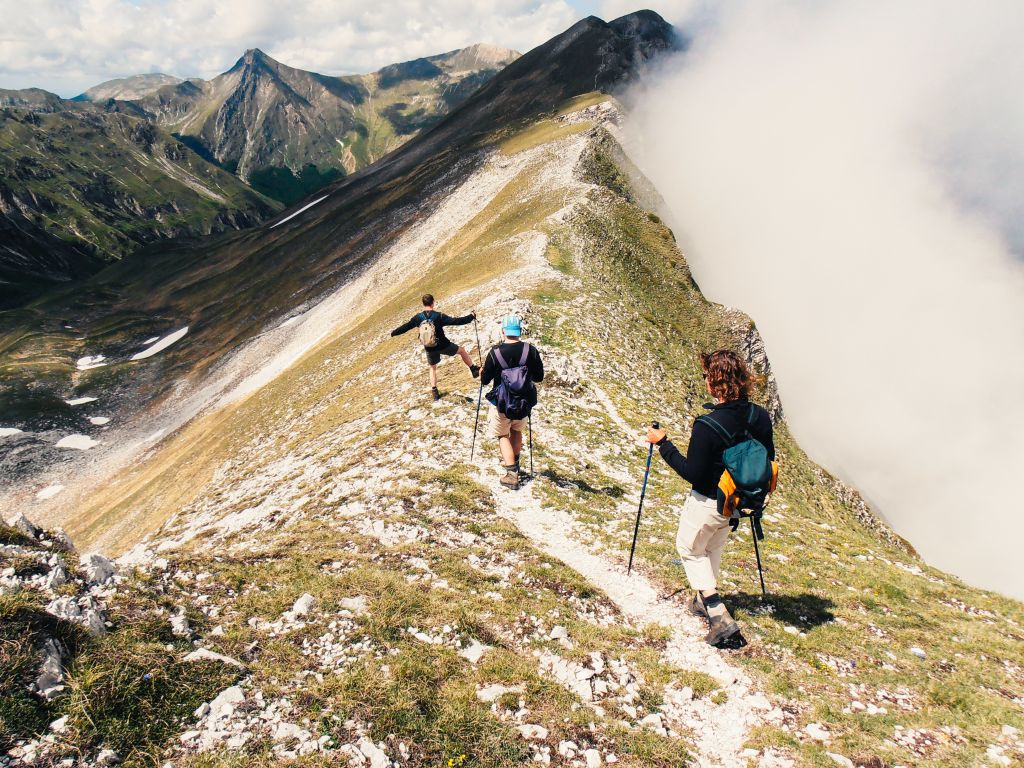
(99, 421)
(7, 431)
(303, 208)
(161, 345)
(81, 400)
(50, 491)
(90, 361)
(78, 442)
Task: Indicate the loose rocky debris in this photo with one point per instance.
(43, 566)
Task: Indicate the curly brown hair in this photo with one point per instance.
(727, 375)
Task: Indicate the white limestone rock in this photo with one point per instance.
(50, 681)
(97, 568)
(205, 654)
(533, 732)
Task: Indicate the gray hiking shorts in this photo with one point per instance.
(434, 353)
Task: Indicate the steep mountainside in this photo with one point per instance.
(317, 575)
(229, 291)
(288, 132)
(80, 188)
(127, 88)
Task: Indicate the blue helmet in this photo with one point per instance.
(511, 325)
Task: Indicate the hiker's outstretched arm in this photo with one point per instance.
(404, 327)
(446, 320)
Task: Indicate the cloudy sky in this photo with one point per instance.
(66, 46)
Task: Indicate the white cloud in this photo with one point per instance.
(851, 175)
(68, 45)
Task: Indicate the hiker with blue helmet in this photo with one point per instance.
(516, 368)
(431, 324)
(704, 526)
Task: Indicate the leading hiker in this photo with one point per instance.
(516, 368)
(431, 325)
(703, 528)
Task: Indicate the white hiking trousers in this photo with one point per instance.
(701, 539)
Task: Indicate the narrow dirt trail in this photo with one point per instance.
(719, 730)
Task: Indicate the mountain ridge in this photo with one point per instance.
(404, 606)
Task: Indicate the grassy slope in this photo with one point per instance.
(857, 611)
(115, 182)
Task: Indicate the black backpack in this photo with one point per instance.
(749, 477)
(515, 393)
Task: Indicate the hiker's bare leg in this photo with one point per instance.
(465, 356)
(508, 457)
(433, 376)
(516, 439)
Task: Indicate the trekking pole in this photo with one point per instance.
(643, 492)
(757, 551)
(476, 424)
(479, 357)
(529, 423)
(479, 394)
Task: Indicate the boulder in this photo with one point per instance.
(533, 732)
(97, 568)
(225, 701)
(50, 681)
(378, 757)
(23, 524)
(179, 625)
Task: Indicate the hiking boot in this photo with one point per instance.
(722, 628)
(475, 370)
(697, 607)
(435, 393)
(511, 477)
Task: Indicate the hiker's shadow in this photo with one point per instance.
(579, 484)
(802, 611)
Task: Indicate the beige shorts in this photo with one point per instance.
(499, 425)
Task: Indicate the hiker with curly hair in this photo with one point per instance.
(703, 529)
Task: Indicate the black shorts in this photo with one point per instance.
(434, 353)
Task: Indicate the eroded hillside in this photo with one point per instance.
(353, 589)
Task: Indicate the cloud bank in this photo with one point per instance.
(67, 46)
(852, 176)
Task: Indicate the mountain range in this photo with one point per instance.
(147, 158)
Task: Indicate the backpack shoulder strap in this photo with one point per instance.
(526, 354)
(721, 431)
(499, 358)
(752, 415)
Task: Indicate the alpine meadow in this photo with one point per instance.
(368, 411)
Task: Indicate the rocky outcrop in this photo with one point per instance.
(751, 346)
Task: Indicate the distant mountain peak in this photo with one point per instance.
(128, 88)
(254, 57)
